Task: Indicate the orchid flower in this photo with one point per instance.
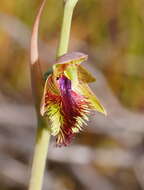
(67, 99)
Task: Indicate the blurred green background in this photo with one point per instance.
(109, 154)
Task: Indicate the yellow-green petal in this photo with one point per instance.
(84, 75)
(72, 74)
(55, 117)
(92, 99)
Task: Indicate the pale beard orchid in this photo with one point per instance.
(67, 99)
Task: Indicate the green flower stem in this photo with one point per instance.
(66, 27)
(43, 135)
(40, 156)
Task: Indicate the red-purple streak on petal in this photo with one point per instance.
(73, 106)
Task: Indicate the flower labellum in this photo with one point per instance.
(67, 99)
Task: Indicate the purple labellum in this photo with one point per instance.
(73, 106)
(66, 95)
(65, 84)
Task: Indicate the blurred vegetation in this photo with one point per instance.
(111, 33)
